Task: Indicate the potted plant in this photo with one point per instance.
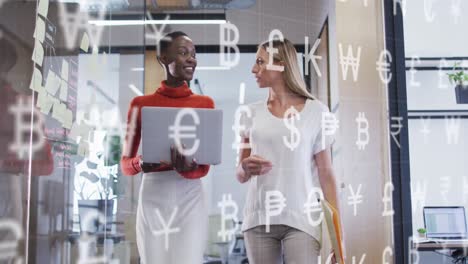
(99, 185)
(422, 232)
(460, 79)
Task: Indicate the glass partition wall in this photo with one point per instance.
(66, 85)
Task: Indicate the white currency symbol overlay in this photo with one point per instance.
(167, 230)
(226, 202)
(387, 199)
(350, 60)
(21, 143)
(329, 126)
(355, 198)
(226, 44)
(238, 127)
(289, 118)
(383, 66)
(8, 249)
(361, 260)
(271, 50)
(452, 129)
(73, 21)
(275, 202)
(313, 206)
(158, 33)
(363, 130)
(177, 130)
(387, 252)
(398, 126)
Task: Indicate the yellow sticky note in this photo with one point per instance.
(52, 83)
(43, 7)
(63, 91)
(65, 70)
(38, 53)
(39, 31)
(85, 42)
(36, 81)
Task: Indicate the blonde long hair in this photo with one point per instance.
(292, 75)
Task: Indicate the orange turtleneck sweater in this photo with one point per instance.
(164, 96)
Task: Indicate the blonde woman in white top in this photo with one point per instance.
(276, 166)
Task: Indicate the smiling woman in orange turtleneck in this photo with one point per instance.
(171, 193)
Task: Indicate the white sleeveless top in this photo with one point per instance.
(294, 171)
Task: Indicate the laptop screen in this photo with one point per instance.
(445, 222)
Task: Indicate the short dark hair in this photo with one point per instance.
(166, 41)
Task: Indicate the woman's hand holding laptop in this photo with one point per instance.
(178, 162)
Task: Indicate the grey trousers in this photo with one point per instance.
(283, 244)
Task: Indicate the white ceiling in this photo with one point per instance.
(295, 18)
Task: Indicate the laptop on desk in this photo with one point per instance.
(445, 224)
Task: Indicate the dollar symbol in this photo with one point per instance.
(21, 143)
(177, 130)
(289, 119)
(363, 130)
(226, 202)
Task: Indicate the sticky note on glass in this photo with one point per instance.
(65, 70)
(36, 81)
(38, 53)
(41, 97)
(52, 83)
(43, 7)
(85, 42)
(67, 119)
(39, 31)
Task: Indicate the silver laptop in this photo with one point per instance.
(200, 130)
(445, 222)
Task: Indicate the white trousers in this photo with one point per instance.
(172, 219)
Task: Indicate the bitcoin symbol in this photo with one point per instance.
(363, 130)
(226, 202)
(21, 143)
(177, 130)
(290, 116)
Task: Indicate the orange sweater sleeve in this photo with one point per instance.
(130, 162)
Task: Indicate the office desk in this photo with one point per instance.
(431, 246)
(445, 245)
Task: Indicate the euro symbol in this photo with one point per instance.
(176, 131)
